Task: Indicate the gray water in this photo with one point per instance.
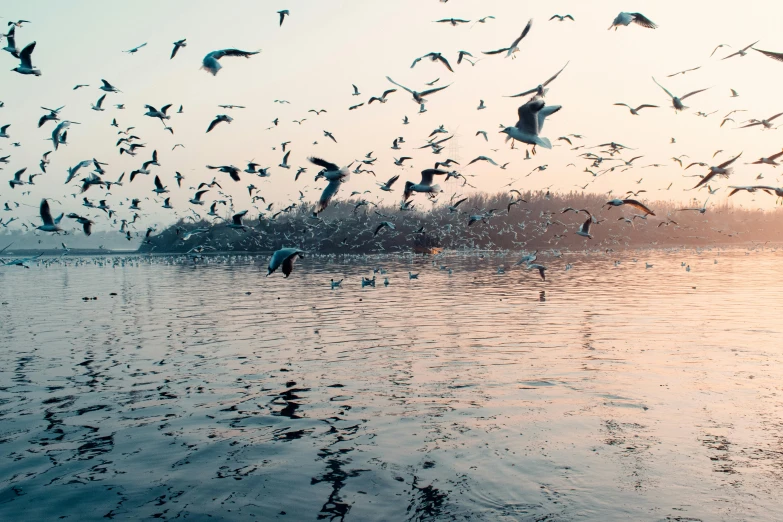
(604, 393)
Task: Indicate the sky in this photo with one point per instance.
(325, 46)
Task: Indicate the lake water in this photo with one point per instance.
(608, 392)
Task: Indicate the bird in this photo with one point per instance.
(228, 169)
(335, 176)
(435, 57)
(177, 46)
(637, 18)
(330, 136)
(286, 258)
(677, 101)
(514, 47)
(540, 90)
(531, 121)
(46, 216)
(418, 97)
(399, 161)
(483, 158)
(219, 118)
(97, 106)
(283, 14)
(382, 225)
(159, 188)
(210, 62)
(769, 160)
(741, 52)
(26, 61)
(452, 21)
(562, 18)
(723, 169)
(335, 284)
(632, 203)
(425, 185)
(767, 123)
(108, 87)
(17, 180)
(135, 49)
(236, 221)
(52, 116)
(284, 164)
(635, 111)
(152, 112)
(541, 269)
(388, 184)
(685, 71)
(382, 97)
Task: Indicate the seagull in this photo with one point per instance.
(435, 57)
(177, 45)
(481, 105)
(531, 121)
(453, 21)
(79, 86)
(335, 176)
(584, 229)
(741, 52)
(86, 223)
(285, 257)
(637, 18)
(236, 221)
(632, 203)
(4, 131)
(335, 284)
(46, 216)
(159, 188)
(514, 45)
(418, 97)
(734, 94)
(382, 98)
(97, 106)
(561, 18)
(330, 135)
(26, 61)
(677, 102)
(283, 14)
(767, 123)
(483, 158)
(135, 49)
(685, 71)
(462, 55)
(399, 161)
(540, 268)
(768, 161)
(52, 116)
(540, 90)
(425, 185)
(211, 64)
(284, 163)
(386, 187)
(228, 169)
(384, 224)
(219, 118)
(701, 210)
(17, 178)
(108, 87)
(355, 90)
(722, 169)
(152, 112)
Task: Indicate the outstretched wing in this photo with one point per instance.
(774, 56)
(324, 164)
(664, 88)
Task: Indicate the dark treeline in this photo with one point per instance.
(349, 226)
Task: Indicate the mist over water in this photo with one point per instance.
(608, 392)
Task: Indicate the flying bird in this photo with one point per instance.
(286, 258)
(219, 118)
(677, 101)
(177, 45)
(514, 47)
(26, 61)
(541, 89)
(637, 18)
(211, 63)
(283, 14)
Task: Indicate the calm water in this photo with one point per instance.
(605, 393)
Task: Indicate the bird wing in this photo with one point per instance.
(285, 158)
(158, 183)
(212, 124)
(528, 116)
(498, 51)
(46, 214)
(327, 195)
(774, 56)
(233, 52)
(288, 263)
(397, 84)
(431, 91)
(428, 175)
(692, 93)
(26, 56)
(729, 162)
(417, 60)
(445, 62)
(642, 20)
(395, 178)
(556, 74)
(638, 205)
(323, 163)
(640, 107)
(775, 116)
(662, 87)
(524, 33)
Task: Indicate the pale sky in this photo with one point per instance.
(324, 46)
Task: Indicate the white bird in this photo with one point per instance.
(219, 118)
(514, 47)
(108, 87)
(97, 106)
(135, 49)
(46, 216)
(336, 177)
(637, 18)
(531, 121)
(418, 97)
(159, 188)
(152, 112)
(635, 111)
(741, 52)
(26, 61)
(177, 45)
(425, 185)
(285, 257)
(677, 101)
(284, 163)
(211, 64)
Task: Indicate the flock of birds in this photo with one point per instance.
(531, 117)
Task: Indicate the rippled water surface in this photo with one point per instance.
(608, 392)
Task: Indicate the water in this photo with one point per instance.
(605, 393)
